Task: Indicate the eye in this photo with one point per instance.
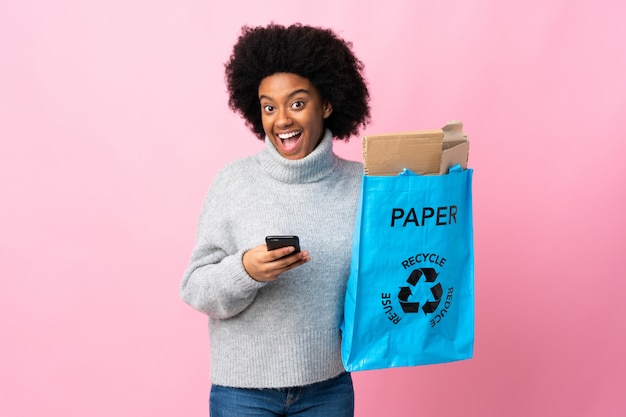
(268, 108)
(297, 105)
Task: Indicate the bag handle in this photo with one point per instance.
(454, 169)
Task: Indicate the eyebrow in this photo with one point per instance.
(293, 93)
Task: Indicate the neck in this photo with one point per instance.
(316, 165)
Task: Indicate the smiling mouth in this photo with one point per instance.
(289, 140)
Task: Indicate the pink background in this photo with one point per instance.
(113, 121)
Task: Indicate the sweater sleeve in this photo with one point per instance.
(215, 282)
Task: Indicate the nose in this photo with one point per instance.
(283, 118)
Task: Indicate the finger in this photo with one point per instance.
(292, 261)
(281, 252)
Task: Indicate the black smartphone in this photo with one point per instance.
(275, 242)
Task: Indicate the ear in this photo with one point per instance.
(328, 109)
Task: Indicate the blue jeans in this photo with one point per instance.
(334, 397)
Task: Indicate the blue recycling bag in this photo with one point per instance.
(410, 294)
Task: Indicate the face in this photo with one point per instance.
(293, 113)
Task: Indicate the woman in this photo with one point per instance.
(274, 316)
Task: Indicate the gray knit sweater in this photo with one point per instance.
(286, 332)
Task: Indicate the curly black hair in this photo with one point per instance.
(314, 53)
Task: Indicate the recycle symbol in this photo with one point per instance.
(430, 275)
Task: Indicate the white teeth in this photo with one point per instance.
(288, 135)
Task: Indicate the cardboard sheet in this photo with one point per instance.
(425, 152)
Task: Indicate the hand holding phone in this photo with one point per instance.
(260, 268)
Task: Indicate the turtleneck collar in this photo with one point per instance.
(311, 168)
